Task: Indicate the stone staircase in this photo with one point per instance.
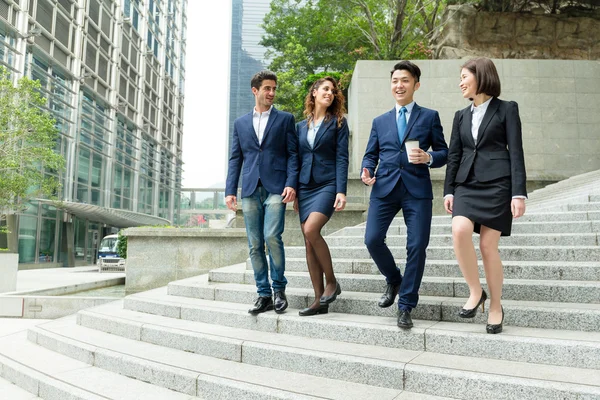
(194, 338)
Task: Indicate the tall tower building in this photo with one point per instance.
(247, 56)
(113, 73)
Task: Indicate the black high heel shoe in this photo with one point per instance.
(330, 299)
(464, 313)
(495, 328)
(308, 311)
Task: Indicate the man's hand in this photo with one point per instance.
(448, 204)
(418, 156)
(366, 177)
(340, 202)
(231, 202)
(517, 207)
(289, 194)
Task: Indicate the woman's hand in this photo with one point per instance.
(517, 207)
(340, 202)
(296, 205)
(448, 204)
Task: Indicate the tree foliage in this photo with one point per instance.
(304, 37)
(29, 166)
(121, 245)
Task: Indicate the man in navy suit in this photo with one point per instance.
(402, 182)
(264, 148)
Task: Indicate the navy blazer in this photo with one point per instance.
(384, 147)
(497, 153)
(328, 158)
(274, 161)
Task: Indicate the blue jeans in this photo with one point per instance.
(264, 215)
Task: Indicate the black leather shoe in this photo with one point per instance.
(464, 313)
(331, 299)
(281, 302)
(263, 303)
(389, 296)
(308, 311)
(404, 319)
(495, 328)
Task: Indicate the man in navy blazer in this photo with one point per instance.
(402, 182)
(264, 148)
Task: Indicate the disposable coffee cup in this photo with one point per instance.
(410, 145)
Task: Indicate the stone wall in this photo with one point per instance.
(468, 33)
(559, 103)
(157, 256)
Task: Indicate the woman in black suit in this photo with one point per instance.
(485, 180)
(323, 150)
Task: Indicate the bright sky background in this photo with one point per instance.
(206, 93)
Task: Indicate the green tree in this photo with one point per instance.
(121, 245)
(29, 166)
(304, 37)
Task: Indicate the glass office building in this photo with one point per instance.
(113, 74)
(247, 56)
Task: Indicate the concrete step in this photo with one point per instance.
(383, 332)
(53, 376)
(591, 206)
(507, 253)
(10, 391)
(546, 216)
(374, 360)
(196, 374)
(539, 239)
(518, 228)
(513, 289)
(533, 314)
(541, 270)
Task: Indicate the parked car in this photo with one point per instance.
(108, 258)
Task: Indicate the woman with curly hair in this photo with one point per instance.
(323, 151)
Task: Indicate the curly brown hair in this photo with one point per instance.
(337, 108)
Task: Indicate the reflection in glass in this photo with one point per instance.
(27, 238)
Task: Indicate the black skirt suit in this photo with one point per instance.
(484, 175)
(324, 167)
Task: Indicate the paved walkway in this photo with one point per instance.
(56, 292)
(40, 279)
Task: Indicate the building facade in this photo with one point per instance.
(247, 56)
(113, 73)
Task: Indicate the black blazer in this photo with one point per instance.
(328, 159)
(497, 153)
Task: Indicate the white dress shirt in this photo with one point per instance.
(477, 116)
(259, 120)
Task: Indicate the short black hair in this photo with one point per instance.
(486, 75)
(259, 77)
(412, 68)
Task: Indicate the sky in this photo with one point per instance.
(206, 93)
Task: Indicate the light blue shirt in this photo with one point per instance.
(312, 132)
(409, 108)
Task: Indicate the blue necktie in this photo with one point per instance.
(401, 123)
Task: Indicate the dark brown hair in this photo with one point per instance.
(259, 77)
(337, 108)
(486, 75)
(412, 68)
